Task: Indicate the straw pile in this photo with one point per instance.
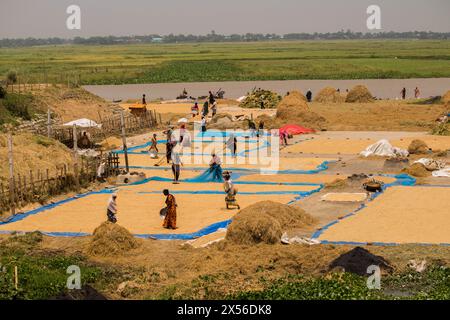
(33, 152)
(110, 239)
(294, 96)
(360, 94)
(257, 96)
(329, 95)
(418, 147)
(417, 170)
(446, 97)
(264, 222)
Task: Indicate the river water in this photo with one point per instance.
(380, 88)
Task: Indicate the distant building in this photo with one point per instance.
(157, 39)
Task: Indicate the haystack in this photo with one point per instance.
(329, 95)
(417, 170)
(446, 97)
(360, 94)
(418, 147)
(294, 96)
(294, 110)
(265, 222)
(291, 104)
(110, 239)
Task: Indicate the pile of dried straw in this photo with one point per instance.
(329, 95)
(418, 147)
(110, 239)
(265, 222)
(360, 94)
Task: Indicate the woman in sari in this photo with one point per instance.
(170, 221)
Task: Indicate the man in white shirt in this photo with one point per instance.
(176, 164)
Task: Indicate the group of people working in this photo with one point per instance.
(209, 103)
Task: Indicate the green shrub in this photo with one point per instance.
(19, 105)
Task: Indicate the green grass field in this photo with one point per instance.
(154, 63)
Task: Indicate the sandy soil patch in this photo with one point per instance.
(400, 215)
(344, 197)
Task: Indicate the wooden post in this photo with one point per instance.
(49, 124)
(11, 175)
(16, 278)
(124, 141)
(75, 155)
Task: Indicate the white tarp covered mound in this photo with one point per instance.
(431, 164)
(83, 123)
(438, 167)
(384, 149)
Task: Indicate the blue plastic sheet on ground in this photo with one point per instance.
(21, 216)
(188, 236)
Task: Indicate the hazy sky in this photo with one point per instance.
(46, 18)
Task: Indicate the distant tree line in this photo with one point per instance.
(214, 37)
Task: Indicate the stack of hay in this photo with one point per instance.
(359, 94)
(254, 99)
(110, 239)
(446, 97)
(329, 95)
(225, 121)
(418, 147)
(264, 222)
(293, 109)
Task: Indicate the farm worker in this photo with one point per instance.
(232, 144)
(203, 124)
(176, 164)
(211, 98)
(168, 133)
(195, 110)
(144, 101)
(169, 143)
(403, 93)
(252, 127)
(214, 108)
(230, 190)
(260, 129)
(170, 221)
(154, 143)
(154, 147)
(417, 93)
(309, 95)
(101, 170)
(85, 141)
(283, 137)
(205, 109)
(215, 167)
(111, 211)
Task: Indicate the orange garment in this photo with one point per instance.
(171, 217)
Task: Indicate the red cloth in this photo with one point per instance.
(294, 129)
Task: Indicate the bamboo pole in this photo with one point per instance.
(11, 175)
(124, 141)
